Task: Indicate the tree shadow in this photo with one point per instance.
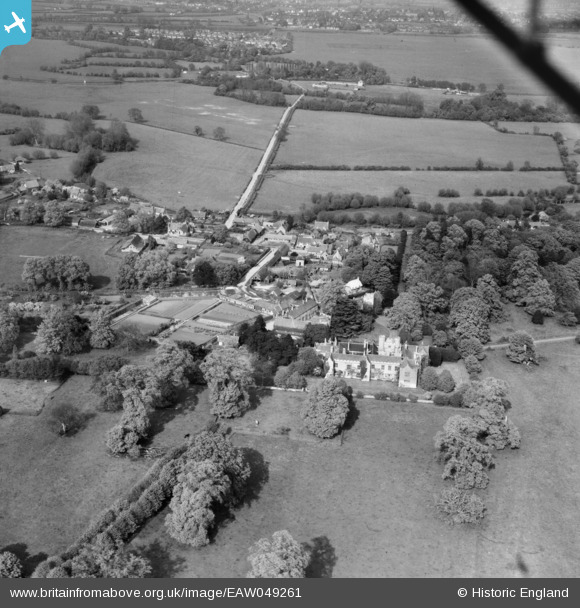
(521, 565)
(74, 420)
(259, 474)
(29, 562)
(188, 400)
(100, 281)
(322, 558)
(254, 398)
(163, 564)
(352, 416)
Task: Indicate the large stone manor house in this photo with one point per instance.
(389, 360)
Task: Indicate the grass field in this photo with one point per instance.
(53, 486)
(335, 138)
(24, 61)
(24, 396)
(176, 170)
(165, 104)
(533, 496)
(288, 190)
(472, 59)
(19, 242)
(373, 498)
(517, 319)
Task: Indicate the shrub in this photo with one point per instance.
(568, 319)
(359, 395)
(441, 399)
(538, 318)
(460, 507)
(413, 398)
(472, 365)
(445, 381)
(429, 379)
(456, 399)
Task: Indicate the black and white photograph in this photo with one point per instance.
(290, 289)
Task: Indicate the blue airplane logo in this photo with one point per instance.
(15, 28)
(17, 23)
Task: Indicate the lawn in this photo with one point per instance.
(174, 170)
(20, 242)
(53, 486)
(337, 138)
(289, 190)
(171, 105)
(472, 59)
(370, 500)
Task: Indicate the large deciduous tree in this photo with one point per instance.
(97, 561)
(10, 566)
(9, 331)
(281, 557)
(150, 269)
(329, 295)
(466, 459)
(229, 377)
(405, 313)
(325, 411)
(61, 332)
(101, 332)
(214, 475)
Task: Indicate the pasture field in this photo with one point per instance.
(337, 138)
(53, 486)
(517, 319)
(373, 504)
(171, 105)
(25, 396)
(20, 242)
(471, 59)
(175, 169)
(533, 494)
(24, 61)
(289, 190)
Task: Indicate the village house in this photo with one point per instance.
(77, 192)
(135, 244)
(179, 228)
(353, 287)
(322, 226)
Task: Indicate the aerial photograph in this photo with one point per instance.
(290, 289)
